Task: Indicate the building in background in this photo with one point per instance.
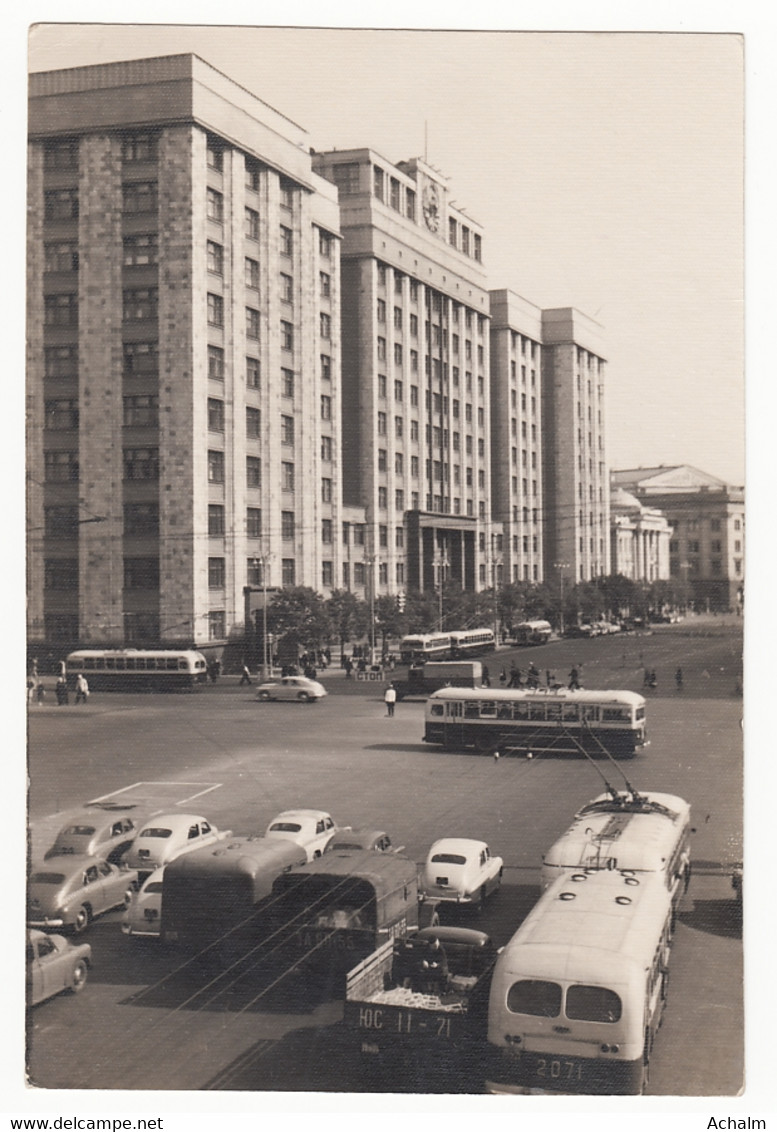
(183, 359)
(416, 407)
(707, 517)
(640, 537)
(575, 475)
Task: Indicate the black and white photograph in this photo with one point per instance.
(385, 522)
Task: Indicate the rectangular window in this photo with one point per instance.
(287, 335)
(61, 522)
(215, 310)
(252, 373)
(286, 240)
(214, 156)
(214, 206)
(327, 574)
(399, 427)
(399, 499)
(215, 466)
(62, 256)
(141, 519)
(250, 223)
(346, 177)
(325, 284)
(326, 530)
(141, 573)
(381, 349)
(252, 273)
(253, 471)
(287, 383)
(394, 194)
(326, 367)
(380, 313)
(253, 522)
(324, 244)
(397, 354)
(217, 624)
(140, 358)
(326, 490)
(382, 460)
(382, 498)
(216, 573)
(141, 463)
(325, 325)
(139, 197)
(252, 175)
(377, 182)
(382, 424)
(287, 476)
(215, 519)
(61, 361)
(287, 288)
(61, 204)
(141, 411)
(478, 248)
(141, 303)
(62, 414)
(252, 324)
(61, 574)
(253, 423)
(287, 431)
(215, 415)
(288, 572)
(61, 310)
(214, 257)
(410, 204)
(326, 407)
(326, 448)
(60, 154)
(287, 525)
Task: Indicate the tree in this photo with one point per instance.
(421, 611)
(348, 615)
(300, 614)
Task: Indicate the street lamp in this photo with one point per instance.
(262, 560)
(371, 560)
(441, 564)
(561, 567)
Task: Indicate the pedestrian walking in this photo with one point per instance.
(40, 693)
(390, 699)
(678, 679)
(502, 677)
(515, 677)
(646, 679)
(574, 680)
(653, 679)
(348, 666)
(486, 677)
(30, 688)
(533, 676)
(245, 677)
(82, 689)
(61, 691)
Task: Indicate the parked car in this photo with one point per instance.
(165, 836)
(460, 870)
(95, 833)
(69, 892)
(143, 914)
(298, 688)
(584, 630)
(55, 965)
(312, 829)
(375, 839)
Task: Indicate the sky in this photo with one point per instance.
(607, 169)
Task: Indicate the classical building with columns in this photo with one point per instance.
(640, 538)
(183, 360)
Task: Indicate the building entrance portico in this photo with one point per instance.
(440, 548)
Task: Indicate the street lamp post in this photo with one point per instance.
(441, 563)
(372, 560)
(261, 560)
(561, 567)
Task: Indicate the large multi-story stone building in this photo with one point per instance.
(415, 347)
(640, 537)
(707, 517)
(183, 361)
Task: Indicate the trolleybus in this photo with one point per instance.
(578, 992)
(471, 642)
(421, 647)
(127, 670)
(532, 633)
(537, 721)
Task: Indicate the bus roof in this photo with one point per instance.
(79, 653)
(583, 696)
(250, 855)
(576, 923)
(383, 871)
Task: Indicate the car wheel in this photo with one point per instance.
(264, 696)
(303, 697)
(79, 976)
(81, 921)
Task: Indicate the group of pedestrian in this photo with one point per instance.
(36, 691)
(514, 678)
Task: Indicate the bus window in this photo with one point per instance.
(569, 713)
(554, 711)
(110, 662)
(640, 713)
(534, 996)
(536, 711)
(471, 710)
(503, 710)
(590, 713)
(521, 710)
(438, 709)
(182, 663)
(87, 662)
(455, 708)
(488, 708)
(593, 1004)
(612, 715)
(130, 662)
(171, 662)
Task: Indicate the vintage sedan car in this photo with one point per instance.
(68, 892)
(312, 829)
(143, 914)
(298, 688)
(95, 833)
(461, 871)
(376, 840)
(166, 836)
(55, 965)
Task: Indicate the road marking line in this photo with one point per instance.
(208, 787)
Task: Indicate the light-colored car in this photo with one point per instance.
(95, 833)
(143, 915)
(54, 965)
(312, 829)
(460, 870)
(298, 688)
(166, 836)
(376, 840)
(69, 892)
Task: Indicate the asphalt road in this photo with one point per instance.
(144, 1024)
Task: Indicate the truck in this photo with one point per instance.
(423, 679)
(335, 910)
(408, 1010)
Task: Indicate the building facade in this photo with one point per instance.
(640, 538)
(183, 360)
(577, 508)
(415, 342)
(707, 517)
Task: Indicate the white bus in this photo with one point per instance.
(638, 833)
(537, 720)
(127, 670)
(471, 642)
(578, 992)
(532, 633)
(420, 647)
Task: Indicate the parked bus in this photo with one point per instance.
(638, 833)
(421, 647)
(578, 993)
(471, 642)
(217, 893)
(538, 721)
(128, 670)
(532, 633)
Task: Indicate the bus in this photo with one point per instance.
(627, 831)
(129, 670)
(471, 642)
(532, 633)
(421, 647)
(537, 721)
(578, 993)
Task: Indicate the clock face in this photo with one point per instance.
(431, 207)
